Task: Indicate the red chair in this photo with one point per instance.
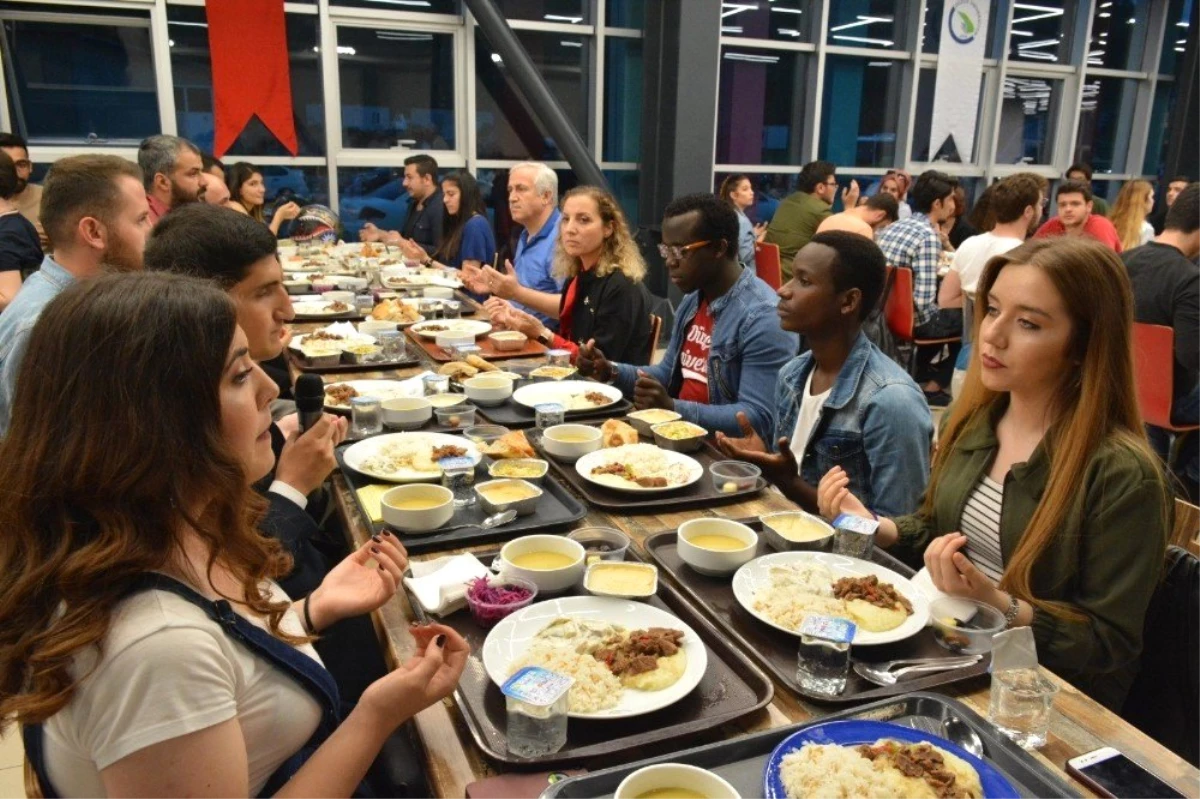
(1154, 371)
(767, 264)
(901, 315)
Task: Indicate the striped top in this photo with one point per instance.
(981, 525)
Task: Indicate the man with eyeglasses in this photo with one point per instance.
(726, 346)
(28, 199)
(798, 216)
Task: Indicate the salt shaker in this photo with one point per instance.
(536, 700)
(823, 662)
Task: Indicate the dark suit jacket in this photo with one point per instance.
(296, 530)
(424, 225)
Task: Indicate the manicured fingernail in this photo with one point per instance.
(441, 641)
(374, 550)
(376, 539)
(386, 533)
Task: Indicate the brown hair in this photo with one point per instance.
(241, 173)
(619, 253)
(1096, 402)
(87, 505)
(1074, 187)
(1012, 195)
(1129, 212)
(80, 186)
(729, 185)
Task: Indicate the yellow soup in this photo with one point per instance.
(573, 438)
(508, 492)
(720, 543)
(416, 503)
(542, 561)
(671, 793)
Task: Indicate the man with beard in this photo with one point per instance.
(173, 173)
(95, 213)
(1076, 217)
(28, 198)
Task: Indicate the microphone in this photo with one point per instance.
(310, 400)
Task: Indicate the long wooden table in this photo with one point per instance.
(1078, 725)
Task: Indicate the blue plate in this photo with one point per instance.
(995, 785)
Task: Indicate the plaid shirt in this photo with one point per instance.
(912, 243)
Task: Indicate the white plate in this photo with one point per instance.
(565, 392)
(422, 279)
(358, 338)
(509, 639)
(357, 453)
(467, 327)
(756, 575)
(379, 389)
(319, 309)
(615, 454)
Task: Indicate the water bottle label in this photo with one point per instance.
(550, 407)
(856, 524)
(828, 628)
(452, 464)
(537, 686)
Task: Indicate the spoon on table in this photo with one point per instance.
(887, 674)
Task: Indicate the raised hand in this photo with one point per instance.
(427, 677)
(369, 233)
(356, 586)
(502, 283)
(591, 363)
(953, 573)
(778, 467)
(834, 497)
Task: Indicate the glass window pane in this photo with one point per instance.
(304, 185)
(1028, 119)
(75, 82)
(1180, 31)
(625, 13)
(371, 194)
(860, 111)
(622, 99)
(922, 129)
(1160, 123)
(769, 191)
(427, 6)
(1105, 120)
(191, 71)
(562, 11)
(397, 87)
(1039, 31)
(784, 20)
(624, 185)
(932, 28)
(504, 126)
(752, 129)
(1119, 34)
(869, 23)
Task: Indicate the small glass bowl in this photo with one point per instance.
(488, 615)
(485, 434)
(730, 477)
(601, 543)
(948, 615)
(457, 416)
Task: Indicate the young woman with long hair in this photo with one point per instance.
(1129, 212)
(144, 646)
(1044, 499)
(738, 191)
(248, 194)
(468, 243)
(603, 299)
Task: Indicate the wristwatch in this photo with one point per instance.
(546, 337)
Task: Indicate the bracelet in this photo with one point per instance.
(1010, 615)
(308, 622)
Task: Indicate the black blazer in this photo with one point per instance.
(296, 530)
(613, 310)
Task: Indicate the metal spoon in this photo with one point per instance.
(884, 674)
(495, 520)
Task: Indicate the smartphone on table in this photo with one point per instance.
(1110, 773)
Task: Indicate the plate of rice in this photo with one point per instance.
(782, 588)
(407, 457)
(639, 469)
(530, 637)
(573, 395)
(859, 758)
(339, 394)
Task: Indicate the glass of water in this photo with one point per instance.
(366, 417)
(1020, 706)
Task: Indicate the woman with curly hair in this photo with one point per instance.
(145, 647)
(603, 300)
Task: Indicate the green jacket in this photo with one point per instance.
(794, 223)
(1106, 561)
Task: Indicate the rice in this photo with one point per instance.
(406, 455)
(796, 590)
(596, 688)
(644, 460)
(829, 771)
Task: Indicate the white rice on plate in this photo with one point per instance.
(643, 460)
(830, 771)
(796, 590)
(595, 688)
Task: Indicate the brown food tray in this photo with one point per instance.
(304, 366)
(777, 651)
(731, 688)
(532, 349)
(699, 494)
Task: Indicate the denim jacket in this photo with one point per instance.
(748, 350)
(875, 424)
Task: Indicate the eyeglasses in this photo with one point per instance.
(672, 252)
(833, 183)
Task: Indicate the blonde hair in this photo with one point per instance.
(1129, 212)
(1096, 401)
(618, 253)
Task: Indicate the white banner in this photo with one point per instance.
(956, 91)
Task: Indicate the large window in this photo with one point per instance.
(1160, 121)
(783, 20)
(760, 114)
(622, 99)
(860, 111)
(870, 23)
(371, 194)
(1040, 31)
(1105, 123)
(1119, 34)
(1029, 117)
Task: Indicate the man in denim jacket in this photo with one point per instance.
(842, 403)
(726, 349)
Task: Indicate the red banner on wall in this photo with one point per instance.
(247, 40)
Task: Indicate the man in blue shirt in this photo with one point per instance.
(95, 213)
(530, 283)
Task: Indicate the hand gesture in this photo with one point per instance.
(516, 319)
(850, 195)
(649, 393)
(474, 279)
(412, 250)
(953, 573)
(760, 231)
(356, 586)
(370, 233)
(427, 677)
(777, 466)
(591, 363)
(834, 497)
(307, 459)
(288, 211)
(502, 284)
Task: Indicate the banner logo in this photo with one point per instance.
(963, 22)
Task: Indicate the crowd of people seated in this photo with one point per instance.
(173, 589)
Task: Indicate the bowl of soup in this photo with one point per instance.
(790, 530)
(674, 781)
(418, 508)
(551, 562)
(497, 496)
(716, 546)
(407, 413)
(570, 442)
(446, 400)
(488, 389)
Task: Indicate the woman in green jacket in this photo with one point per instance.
(1044, 499)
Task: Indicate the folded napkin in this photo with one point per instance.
(371, 498)
(440, 585)
(924, 583)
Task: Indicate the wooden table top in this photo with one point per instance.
(453, 761)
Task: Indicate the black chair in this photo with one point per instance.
(1164, 701)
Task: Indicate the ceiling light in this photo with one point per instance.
(752, 58)
(417, 3)
(1105, 15)
(560, 18)
(566, 43)
(1021, 33)
(879, 63)
(1132, 20)
(189, 24)
(862, 20)
(496, 58)
(731, 29)
(729, 9)
(882, 42)
(1034, 45)
(787, 10)
(170, 42)
(1179, 49)
(343, 50)
(1044, 12)
(795, 34)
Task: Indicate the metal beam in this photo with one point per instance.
(530, 83)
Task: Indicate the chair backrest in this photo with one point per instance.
(656, 324)
(1154, 371)
(1186, 533)
(767, 264)
(898, 309)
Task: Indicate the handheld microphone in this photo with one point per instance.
(310, 400)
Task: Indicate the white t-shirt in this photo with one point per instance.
(1147, 233)
(806, 419)
(973, 254)
(168, 670)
